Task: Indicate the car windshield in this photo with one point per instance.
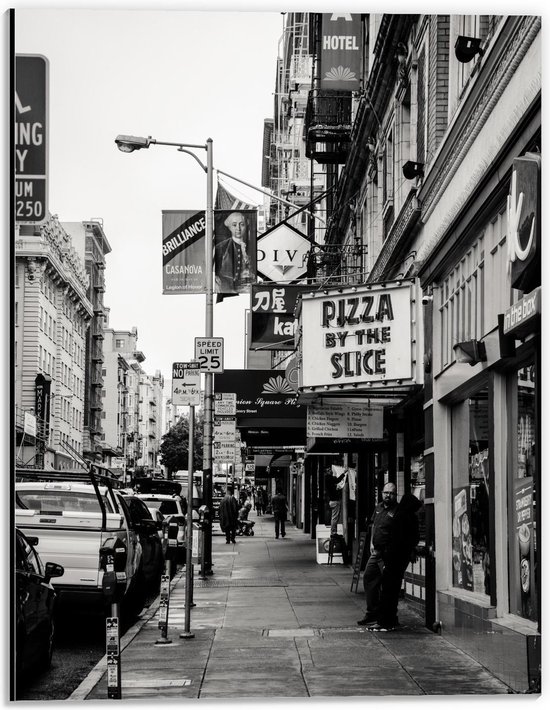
(56, 501)
(166, 507)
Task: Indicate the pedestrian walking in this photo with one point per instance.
(394, 536)
(279, 507)
(229, 515)
(262, 498)
(334, 484)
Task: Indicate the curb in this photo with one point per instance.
(94, 676)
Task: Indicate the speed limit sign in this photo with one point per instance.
(209, 354)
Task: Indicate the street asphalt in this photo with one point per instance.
(273, 623)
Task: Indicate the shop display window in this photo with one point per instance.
(470, 477)
(523, 530)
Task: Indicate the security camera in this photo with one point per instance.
(426, 299)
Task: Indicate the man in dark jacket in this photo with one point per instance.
(394, 536)
(279, 508)
(229, 515)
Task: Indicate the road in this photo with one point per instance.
(80, 644)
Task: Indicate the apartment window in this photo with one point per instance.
(460, 72)
(463, 302)
(120, 343)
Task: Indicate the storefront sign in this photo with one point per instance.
(524, 519)
(360, 335)
(183, 251)
(43, 384)
(524, 223)
(335, 420)
(262, 396)
(283, 253)
(273, 321)
(521, 318)
(341, 51)
(31, 139)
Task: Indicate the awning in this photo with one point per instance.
(281, 461)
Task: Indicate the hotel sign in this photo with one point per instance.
(361, 335)
(341, 51)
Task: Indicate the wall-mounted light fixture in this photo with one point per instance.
(466, 48)
(412, 170)
(470, 352)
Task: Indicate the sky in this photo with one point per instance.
(178, 76)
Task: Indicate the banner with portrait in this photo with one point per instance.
(234, 250)
(183, 251)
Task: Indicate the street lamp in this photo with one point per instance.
(128, 144)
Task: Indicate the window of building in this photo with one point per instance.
(470, 482)
(119, 343)
(460, 72)
(524, 553)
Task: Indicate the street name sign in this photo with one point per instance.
(209, 354)
(186, 383)
(31, 138)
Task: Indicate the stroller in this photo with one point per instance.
(246, 527)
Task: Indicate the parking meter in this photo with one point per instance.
(204, 516)
(112, 557)
(170, 538)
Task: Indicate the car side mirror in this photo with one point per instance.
(53, 570)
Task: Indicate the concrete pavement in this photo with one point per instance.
(273, 623)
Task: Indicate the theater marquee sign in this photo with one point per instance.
(361, 335)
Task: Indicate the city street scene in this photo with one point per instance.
(276, 308)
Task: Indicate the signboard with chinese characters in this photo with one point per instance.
(183, 251)
(273, 320)
(31, 139)
(186, 383)
(360, 335)
(355, 421)
(340, 62)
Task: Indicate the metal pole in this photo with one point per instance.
(189, 551)
(208, 376)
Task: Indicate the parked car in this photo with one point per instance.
(35, 604)
(174, 509)
(152, 559)
(72, 521)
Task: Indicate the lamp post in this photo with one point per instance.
(128, 144)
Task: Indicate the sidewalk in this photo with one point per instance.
(273, 623)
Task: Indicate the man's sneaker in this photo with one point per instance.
(378, 627)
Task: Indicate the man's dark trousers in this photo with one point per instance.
(372, 583)
(392, 579)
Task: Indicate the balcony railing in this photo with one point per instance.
(328, 125)
(339, 264)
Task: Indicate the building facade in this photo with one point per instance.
(438, 183)
(91, 242)
(52, 317)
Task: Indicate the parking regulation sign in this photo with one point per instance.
(31, 138)
(186, 383)
(209, 354)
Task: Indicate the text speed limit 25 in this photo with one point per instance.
(209, 354)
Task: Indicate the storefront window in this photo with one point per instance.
(470, 452)
(523, 553)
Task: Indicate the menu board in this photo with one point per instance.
(354, 421)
